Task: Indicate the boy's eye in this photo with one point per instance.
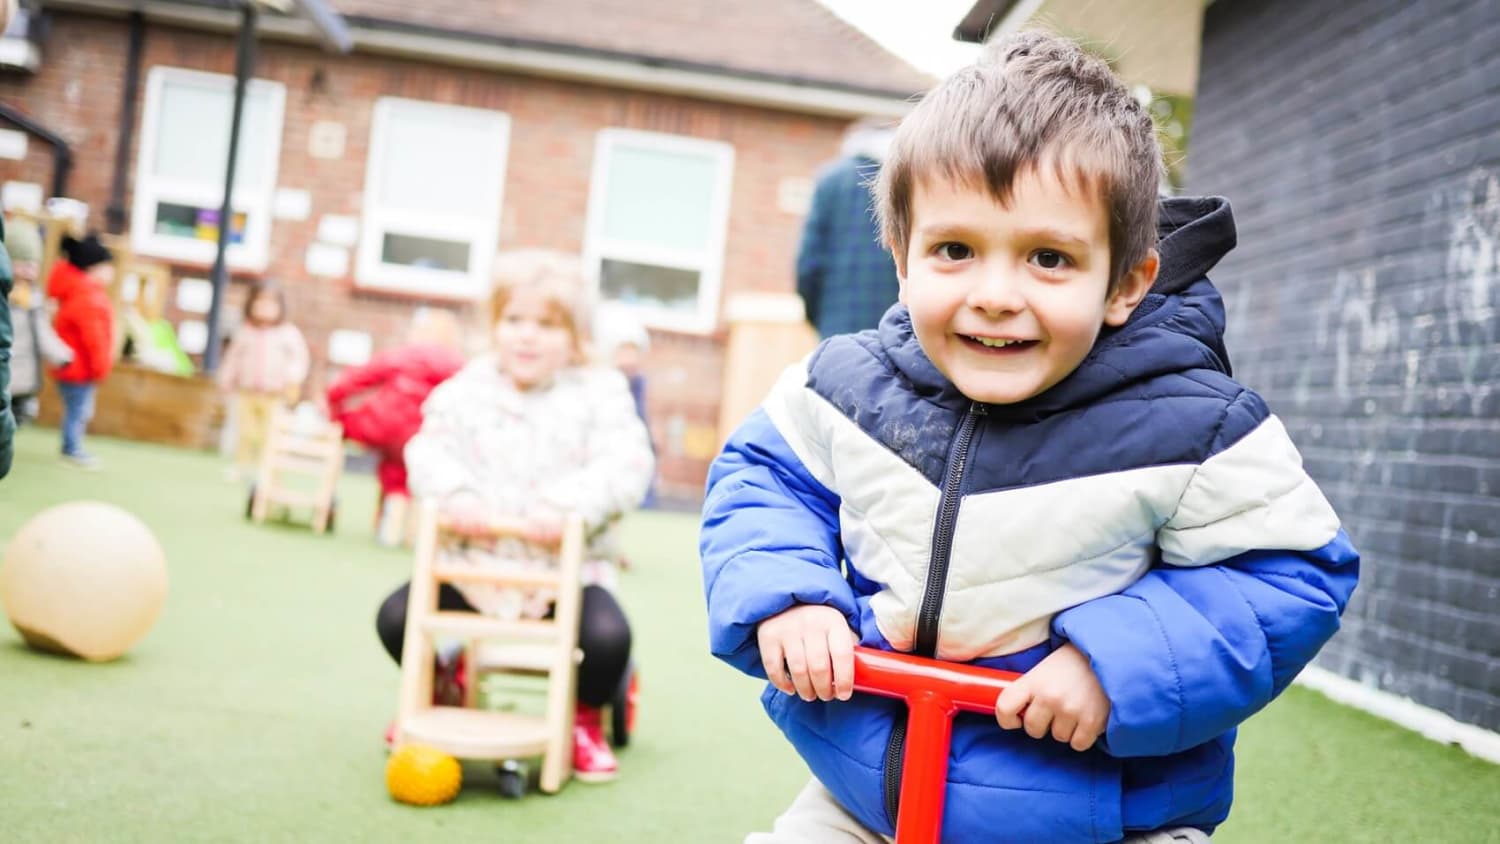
(954, 252)
(1049, 259)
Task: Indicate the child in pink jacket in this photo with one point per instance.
(263, 369)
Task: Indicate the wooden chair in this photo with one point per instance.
(292, 450)
(472, 733)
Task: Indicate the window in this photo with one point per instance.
(179, 183)
(658, 208)
(432, 198)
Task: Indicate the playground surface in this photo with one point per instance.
(254, 709)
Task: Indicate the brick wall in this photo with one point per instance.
(1360, 145)
(553, 129)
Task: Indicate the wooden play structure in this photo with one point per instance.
(300, 465)
(767, 333)
(137, 402)
(548, 647)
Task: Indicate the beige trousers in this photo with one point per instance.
(252, 415)
(816, 818)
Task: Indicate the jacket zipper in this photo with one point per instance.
(931, 609)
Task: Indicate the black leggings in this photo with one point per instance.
(603, 636)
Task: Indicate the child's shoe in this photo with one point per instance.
(593, 761)
(82, 460)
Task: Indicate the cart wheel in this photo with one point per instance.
(250, 505)
(622, 708)
(333, 512)
(512, 774)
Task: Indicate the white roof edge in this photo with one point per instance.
(599, 70)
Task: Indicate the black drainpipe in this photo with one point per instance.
(62, 156)
(244, 65)
(114, 215)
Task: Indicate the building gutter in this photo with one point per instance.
(988, 20)
(62, 154)
(572, 63)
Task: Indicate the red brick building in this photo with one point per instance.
(670, 143)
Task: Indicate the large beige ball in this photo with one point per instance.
(84, 578)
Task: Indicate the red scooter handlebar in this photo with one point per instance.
(933, 690)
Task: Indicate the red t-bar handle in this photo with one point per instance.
(934, 691)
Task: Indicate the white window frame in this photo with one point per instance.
(372, 272)
(253, 252)
(709, 262)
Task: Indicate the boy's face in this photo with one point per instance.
(1007, 300)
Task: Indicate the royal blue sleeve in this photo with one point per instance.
(1187, 653)
(769, 541)
(1229, 616)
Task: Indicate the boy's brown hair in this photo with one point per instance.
(557, 276)
(1033, 99)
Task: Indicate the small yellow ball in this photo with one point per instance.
(422, 775)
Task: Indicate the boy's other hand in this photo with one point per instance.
(1060, 696)
(808, 651)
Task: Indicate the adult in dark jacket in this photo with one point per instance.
(845, 274)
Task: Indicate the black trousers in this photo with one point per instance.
(603, 636)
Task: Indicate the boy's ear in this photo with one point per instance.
(1131, 290)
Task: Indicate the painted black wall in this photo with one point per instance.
(1359, 143)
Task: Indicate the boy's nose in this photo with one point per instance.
(998, 292)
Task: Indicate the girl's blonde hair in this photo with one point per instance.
(558, 277)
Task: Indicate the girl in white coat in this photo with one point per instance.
(531, 430)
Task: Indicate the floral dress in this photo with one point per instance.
(574, 445)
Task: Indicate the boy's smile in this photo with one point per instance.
(1008, 299)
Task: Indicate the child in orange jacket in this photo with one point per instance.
(85, 321)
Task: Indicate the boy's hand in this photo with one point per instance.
(808, 650)
(1060, 695)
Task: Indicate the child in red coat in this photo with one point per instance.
(380, 404)
(85, 321)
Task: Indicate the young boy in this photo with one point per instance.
(1038, 462)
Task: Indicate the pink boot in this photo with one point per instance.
(593, 761)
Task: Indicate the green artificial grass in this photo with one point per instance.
(254, 709)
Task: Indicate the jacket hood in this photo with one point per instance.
(66, 281)
(1178, 326)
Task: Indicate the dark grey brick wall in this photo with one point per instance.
(1359, 143)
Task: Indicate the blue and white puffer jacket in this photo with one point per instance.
(1149, 509)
